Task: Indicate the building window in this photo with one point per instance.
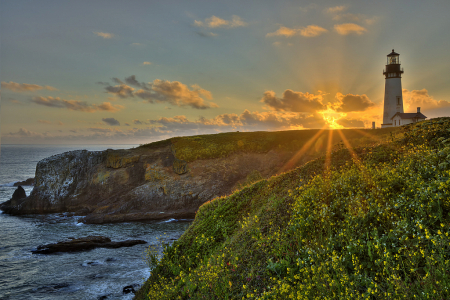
(398, 100)
(395, 122)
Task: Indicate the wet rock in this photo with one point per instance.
(29, 181)
(83, 244)
(18, 194)
(130, 289)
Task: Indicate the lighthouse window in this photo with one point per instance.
(398, 100)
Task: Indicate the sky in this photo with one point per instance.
(133, 72)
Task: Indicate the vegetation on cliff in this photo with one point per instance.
(361, 223)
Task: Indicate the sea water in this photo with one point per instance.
(96, 274)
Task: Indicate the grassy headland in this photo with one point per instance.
(369, 222)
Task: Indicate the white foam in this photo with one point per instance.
(168, 221)
(11, 184)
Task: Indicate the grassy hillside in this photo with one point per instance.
(361, 223)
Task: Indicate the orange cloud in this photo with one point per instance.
(421, 98)
(216, 22)
(294, 101)
(348, 28)
(350, 103)
(104, 35)
(24, 87)
(309, 31)
(75, 104)
(159, 91)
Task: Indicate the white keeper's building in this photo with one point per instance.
(393, 114)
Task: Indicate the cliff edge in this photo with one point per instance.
(166, 179)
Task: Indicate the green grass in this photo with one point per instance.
(191, 148)
(372, 225)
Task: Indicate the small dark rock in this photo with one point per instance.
(110, 259)
(130, 289)
(103, 297)
(29, 181)
(18, 194)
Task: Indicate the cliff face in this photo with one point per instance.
(137, 184)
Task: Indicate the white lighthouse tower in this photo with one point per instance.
(393, 100)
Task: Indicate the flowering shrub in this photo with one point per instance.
(372, 225)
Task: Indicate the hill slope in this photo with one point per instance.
(171, 178)
(362, 223)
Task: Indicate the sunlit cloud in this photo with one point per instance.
(216, 22)
(44, 122)
(349, 28)
(24, 87)
(104, 35)
(350, 103)
(76, 105)
(60, 123)
(23, 132)
(136, 44)
(164, 91)
(293, 101)
(421, 98)
(137, 122)
(146, 63)
(309, 31)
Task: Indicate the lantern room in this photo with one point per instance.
(393, 69)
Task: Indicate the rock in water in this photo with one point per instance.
(19, 193)
(29, 181)
(130, 289)
(83, 244)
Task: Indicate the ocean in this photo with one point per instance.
(95, 274)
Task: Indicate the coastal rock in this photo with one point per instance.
(19, 193)
(130, 289)
(145, 183)
(83, 244)
(29, 181)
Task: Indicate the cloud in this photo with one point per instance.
(309, 31)
(160, 91)
(336, 9)
(136, 44)
(348, 28)
(216, 22)
(350, 103)
(294, 101)
(60, 123)
(137, 122)
(75, 104)
(24, 87)
(44, 122)
(111, 121)
(206, 34)
(350, 123)
(104, 35)
(146, 63)
(23, 132)
(123, 91)
(421, 98)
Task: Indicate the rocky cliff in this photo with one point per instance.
(137, 184)
(167, 179)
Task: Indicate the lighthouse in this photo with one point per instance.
(393, 100)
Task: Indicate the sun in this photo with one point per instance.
(331, 116)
